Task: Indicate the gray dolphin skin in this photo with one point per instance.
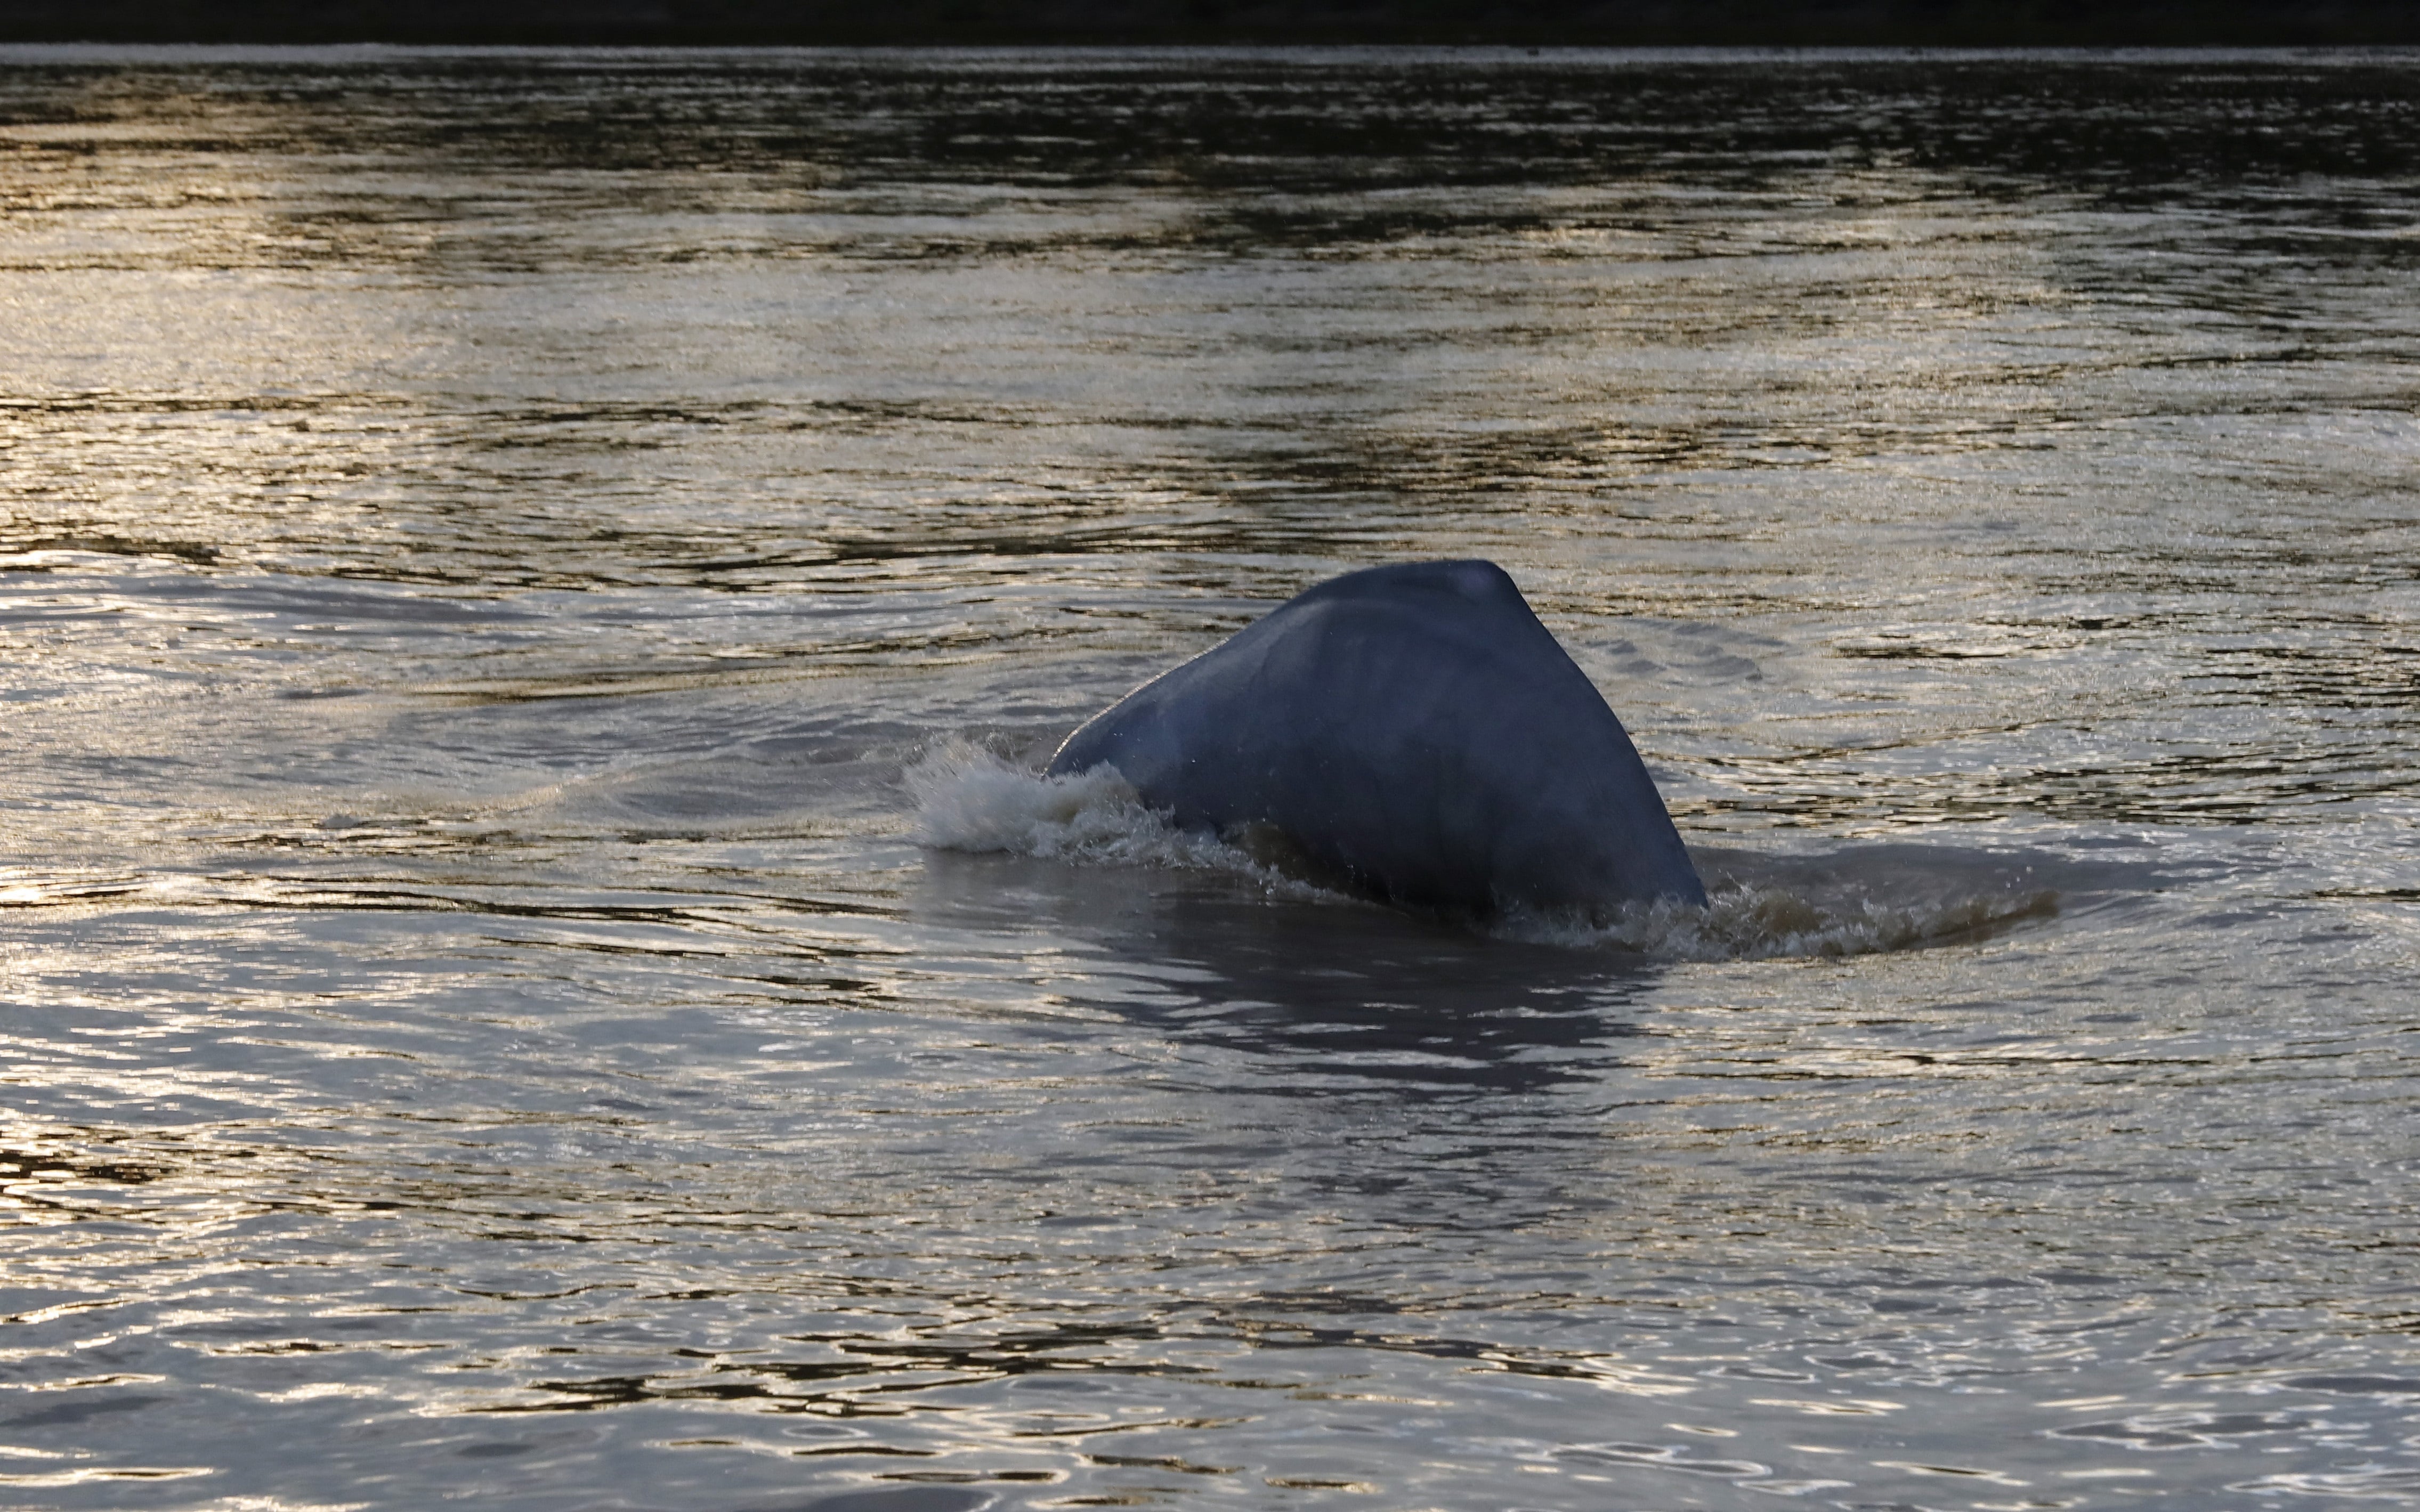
(1415, 728)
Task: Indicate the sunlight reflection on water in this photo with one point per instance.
(483, 535)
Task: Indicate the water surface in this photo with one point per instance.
(487, 537)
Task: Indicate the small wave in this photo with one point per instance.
(969, 798)
(1755, 921)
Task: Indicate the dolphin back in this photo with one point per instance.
(1416, 728)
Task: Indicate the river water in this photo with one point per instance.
(536, 970)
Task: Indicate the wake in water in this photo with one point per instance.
(968, 798)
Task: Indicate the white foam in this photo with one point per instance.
(968, 798)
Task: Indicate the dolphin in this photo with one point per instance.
(1414, 730)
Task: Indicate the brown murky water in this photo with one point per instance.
(482, 536)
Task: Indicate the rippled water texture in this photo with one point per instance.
(486, 540)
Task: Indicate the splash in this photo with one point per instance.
(969, 798)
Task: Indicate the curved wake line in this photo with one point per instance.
(1756, 921)
(971, 799)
